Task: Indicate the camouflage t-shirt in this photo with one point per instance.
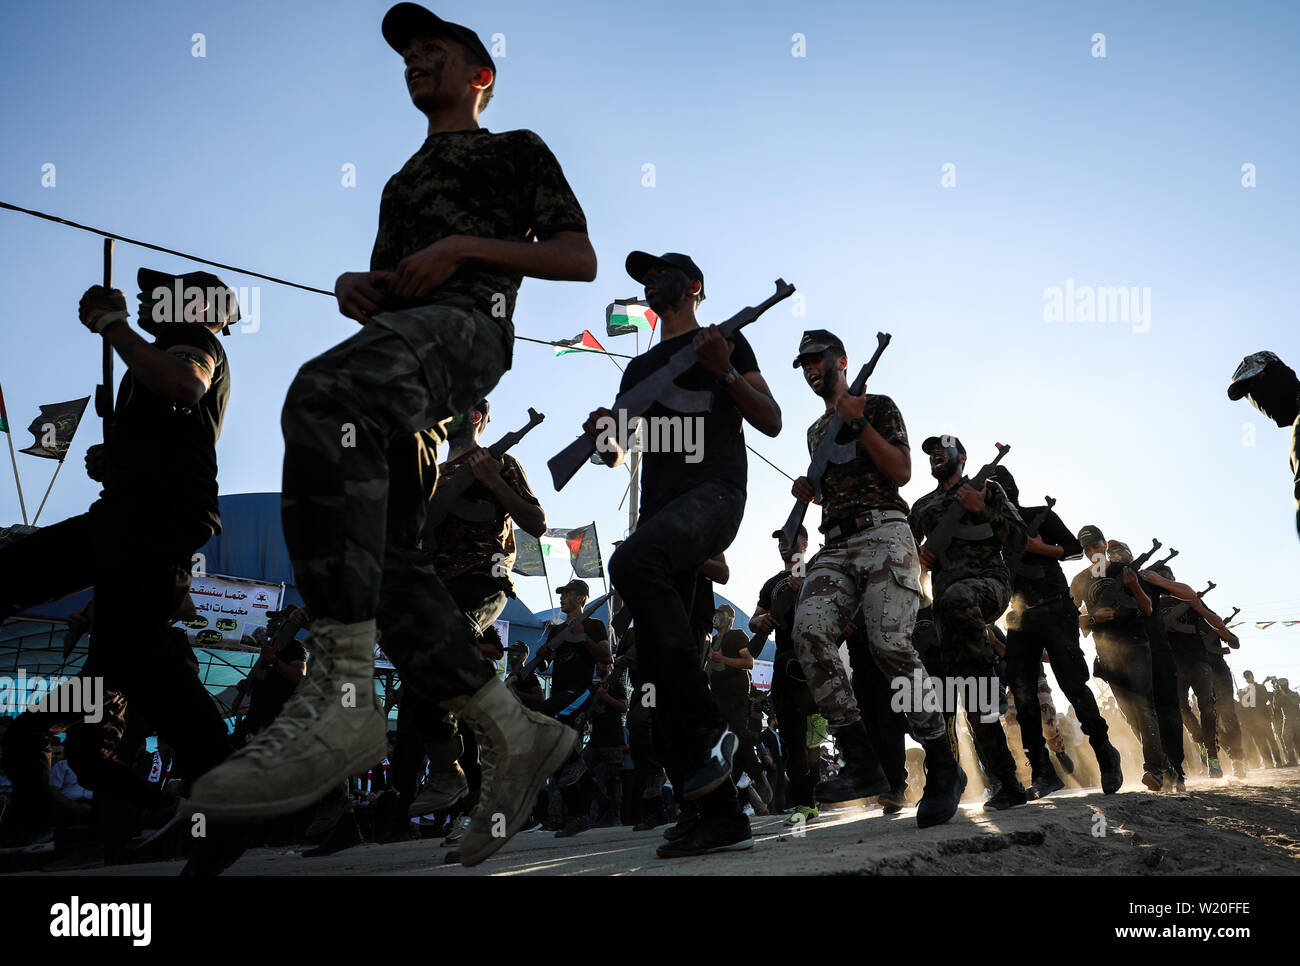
(976, 550)
(850, 489)
(465, 547)
(506, 186)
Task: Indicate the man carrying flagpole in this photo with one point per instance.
(136, 543)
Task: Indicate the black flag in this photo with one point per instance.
(54, 428)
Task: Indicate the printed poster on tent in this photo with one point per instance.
(227, 608)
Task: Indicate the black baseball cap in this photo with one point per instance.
(638, 263)
(942, 442)
(803, 532)
(150, 280)
(578, 585)
(1091, 534)
(818, 340)
(407, 20)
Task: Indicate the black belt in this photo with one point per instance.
(866, 521)
(1054, 599)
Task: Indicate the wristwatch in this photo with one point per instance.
(858, 425)
(729, 377)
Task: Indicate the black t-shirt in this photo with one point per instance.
(778, 598)
(1155, 624)
(162, 455)
(718, 447)
(1037, 577)
(574, 667)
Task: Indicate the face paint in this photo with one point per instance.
(669, 288)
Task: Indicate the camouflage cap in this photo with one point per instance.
(1248, 369)
(408, 20)
(1113, 545)
(818, 341)
(942, 443)
(1090, 535)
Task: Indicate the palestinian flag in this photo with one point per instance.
(1264, 625)
(586, 342)
(4, 417)
(629, 315)
(584, 551)
(54, 427)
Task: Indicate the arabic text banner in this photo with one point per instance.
(228, 608)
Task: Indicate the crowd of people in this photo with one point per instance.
(890, 629)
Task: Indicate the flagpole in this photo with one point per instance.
(14, 459)
(47, 491)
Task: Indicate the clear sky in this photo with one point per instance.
(826, 169)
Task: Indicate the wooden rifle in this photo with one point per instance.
(830, 449)
(660, 387)
(948, 528)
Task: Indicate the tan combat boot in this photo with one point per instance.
(520, 749)
(330, 729)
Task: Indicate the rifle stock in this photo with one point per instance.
(659, 386)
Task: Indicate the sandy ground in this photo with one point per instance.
(1249, 827)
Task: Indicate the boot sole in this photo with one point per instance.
(415, 809)
(668, 852)
(285, 806)
(856, 795)
(556, 757)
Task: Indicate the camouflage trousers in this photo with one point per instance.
(361, 424)
(871, 578)
(963, 608)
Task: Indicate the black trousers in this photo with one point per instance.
(1164, 690)
(420, 721)
(1054, 628)
(886, 728)
(1227, 708)
(1194, 674)
(654, 570)
(792, 703)
(140, 568)
(1128, 672)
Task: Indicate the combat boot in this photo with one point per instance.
(524, 749)
(861, 776)
(1011, 794)
(1045, 779)
(1109, 764)
(328, 730)
(1066, 762)
(653, 814)
(440, 791)
(944, 783)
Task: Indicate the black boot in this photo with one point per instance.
(1045, 779)
(944, 783)
(1011, 794)
(861, 776)
(1066, 762)
(1108, 761)
(653, 814)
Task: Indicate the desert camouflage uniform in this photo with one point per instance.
(361, 421)
(873, 570)
(971, 592)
